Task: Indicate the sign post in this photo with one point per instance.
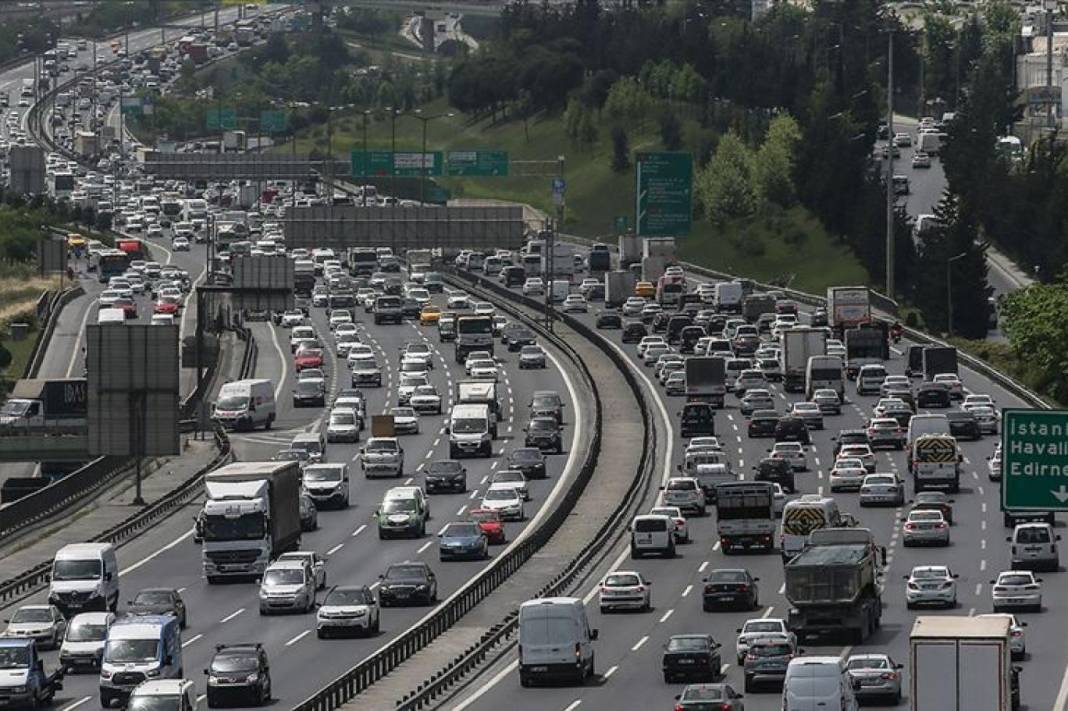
(477, 163)
(664, 194)
(1034, 460)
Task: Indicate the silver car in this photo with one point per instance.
(875, 676)
(883, 489)
(810, 413)
(925, 527)
(828, 401)
(931, 585)
(43, 623)
(1017, 636)
(1016, 589)
(624, 589)
(287, 586)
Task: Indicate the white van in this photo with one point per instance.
(555, 640)
(245, 404)
(558, 290)
(85, 577)
(818, 684)
(139, 647)
(471, 431)
(925, 425)
(825, 371)
(652, 533)
(83, 642)
(311, 442)
(175, 694)
(115, 317)
(870, 378)
(728, 297)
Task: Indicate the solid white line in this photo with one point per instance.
(666, 615)
(281, 362)
(232, 615)
(639, 643)
(77, 703)
(152, 556)
(335, 549)
(299, 637)
(424, 546)
(359, 530)
(78, 339)
(191, 640)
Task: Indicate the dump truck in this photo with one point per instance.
(798, 345)
(706, 380)
(866, 345)
(39, 402)
(250, 517)
(832, 585)
(958, 662)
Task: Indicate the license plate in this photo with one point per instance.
(539, 669)
(869, 682)
(685, 661)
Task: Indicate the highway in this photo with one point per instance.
(229, 613)
(630, 644)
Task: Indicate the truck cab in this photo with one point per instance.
(24, 681)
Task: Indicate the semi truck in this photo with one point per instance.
(659, 247)
(563, 261)
(832, 585)
(745, 516)
(958, 662)
(848, 307)
(939, 359)
(630, 250)
(618, 287)
(706, 380)
(24, 681)
(866, 345)
(39, 403)
(798, 345)
(250, 517)
(600, 259)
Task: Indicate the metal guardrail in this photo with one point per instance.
(56, 302)
(385, 660)
(427, 693)
(37, 577)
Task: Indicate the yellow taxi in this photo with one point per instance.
(645, 289)
(430, 314)
(75, 240)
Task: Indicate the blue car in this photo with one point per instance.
(463, 540)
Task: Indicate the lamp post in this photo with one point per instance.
(363, 191)
(423, 170)
(949, 291)
(393, 113)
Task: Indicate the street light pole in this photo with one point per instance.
(424, 171)
(366, 158)
(949, 291)
(890, 168)
(392, 152)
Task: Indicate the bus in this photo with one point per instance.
(669, 289)
(111, 262)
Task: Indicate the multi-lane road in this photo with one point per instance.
(630, 645)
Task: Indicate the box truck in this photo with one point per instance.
(958, 662)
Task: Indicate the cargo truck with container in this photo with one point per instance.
(755, 305)
(600, 258)
(618, 287)
(959, 662)
(728, 297)
(866, 345)
(362, 261)
(939, 359)
(653, 268)
(250, 517)
(745, 516)
(832, 585)
(659, 247)
(39, 403)
(479, 392)
(706, 380)
(473, 333)
(563, 261)
(797, 346)
(848, 307)
(630, 250)
(303, 277)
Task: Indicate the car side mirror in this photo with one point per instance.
(207, 672)
(168, 660)
(1023, 624)
(992, 582)
(1008, 539)
(108, 576)
(1058, 536)
(956, 575)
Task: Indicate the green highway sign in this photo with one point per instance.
(399, 164)
(664, 194)
(131, 106)
(221, 119)
(274, 121)
(1034, 460)
(476, 163)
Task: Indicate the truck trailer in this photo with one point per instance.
(798, 345)
(958, 663)
(706, 380)
(39, 402)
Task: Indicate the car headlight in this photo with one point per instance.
(422, 587)
(212, 679)
(152, 672)
(105, 674)
(252, 678)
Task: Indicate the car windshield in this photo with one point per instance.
(526, 455)
(153, 703)
(868, 663)
(76, 570)
(542, 425)
(930, 574)
(925, 516)
(283, 576)
(342, 418)
(465, 530)
(503, 494)
(86, 632)
(322, 474)
(622, 579)
(131, 651)
(1032, 535)
(727, 576)
(14, 657)
(31, 614)
(366, 364)
(232, 403)
(687, 644)
(468, 425)
(1015, 579)
(234, 663)
(405, 412)
(153, 597)
(771, 650)
(530, 351)
(880, 480)
(398, 506)
(348, 597)
(381, 446)
(752, 627)
(701, 693)
(405, 572)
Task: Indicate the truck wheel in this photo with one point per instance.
(270, 421)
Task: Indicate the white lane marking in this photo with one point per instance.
(687, 590)
(461, 511)
(474, 494)
(281, 363)
(485, 688)
(191, 640)
(77, 703)
(666, 615)
(335, 549)
(782, 588)
(573, 704)
(443, 529)
(359, 530)
(767, 612)
(639, 643)
(702, 567)
(716, 546)
(232, 615)
(299, 637)
(181, 590)
(607, 674)
(423, 547)
(78, 339)
(153, 556)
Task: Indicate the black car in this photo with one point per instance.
(675, 326)
(963, 425)
(661, 320)
(689, 337)
(762, 423)
(697, 419)
(445, 475)
(408, 583)
(543, 433)
(528, 460)
(914, 368)
(239, 674)
(410, 308)
(609, 319)
(792, 429)
(818, 318)
(733, 587)
(850, 437)
(517, 338)
(691, 656)
(634, 332)
(932, 395)
(513, 276)
(776, 471)
(158, 601)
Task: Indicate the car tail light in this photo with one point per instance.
(909, 526)
(941, 524)
(520, 654)
(888, 675)
(680, 707)
(743, 588)
(1017, 633)
(578, 650)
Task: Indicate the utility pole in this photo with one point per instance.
(560, 207)
(890, 168)
(1051, 109)
(549, 247)
(949, 291)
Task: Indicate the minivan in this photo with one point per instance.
(137, 648)
(83, 642)
(555, 640)
(818, 684)
(312, 443)
(870, 378)
(1034, 545)
(85, 577)
(652, 533)
(471, 430)
(245, 404)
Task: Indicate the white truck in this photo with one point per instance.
(745, 515)
(618, 287)
(848, 307)
(630, 250)
(958, 662)
(728, 297)
(797, 346)
(659, 247)
(46, 403)
(653, 268)
(250, 517)
(563, 262)
(706, 379)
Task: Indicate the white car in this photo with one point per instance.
(1017, 636)
(884, 489)
(338, 317)
(924, 527)
(653, 353)
(893, 381)
(847, 475)
(752, 378)
(574, 303)
(952, 381)
(647, 341)
(482, 368)
(515, 479)
(859, 451)
(457, 302)
(405, 420)
(686, 494)
(413, 366)
(425, 400)
(921, 160)
(506, 500)
(682, 527)
(484, 308)
(758, 629)
(1016, 589)
(43, 623)
(810, 413)
(343, 425)
(778, 499)
(534, 286)
(835, 348)
(419, 351)
(624, 589)
(179, 244)
(931, 584)
(633, 306)
(974, 399)
(347, 609)
(993, 464)
(986, 417)
(792, 452)
(292, 318)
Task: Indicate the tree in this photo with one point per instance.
(1033, 319)
(103, 221)
(725, 186)
(587, 130)
(670, 130)
(275, 49)
(775, 162)
(620, 150)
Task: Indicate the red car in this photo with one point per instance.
(166, 306)
(490, 523)
(128, 307)
(308, 358)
